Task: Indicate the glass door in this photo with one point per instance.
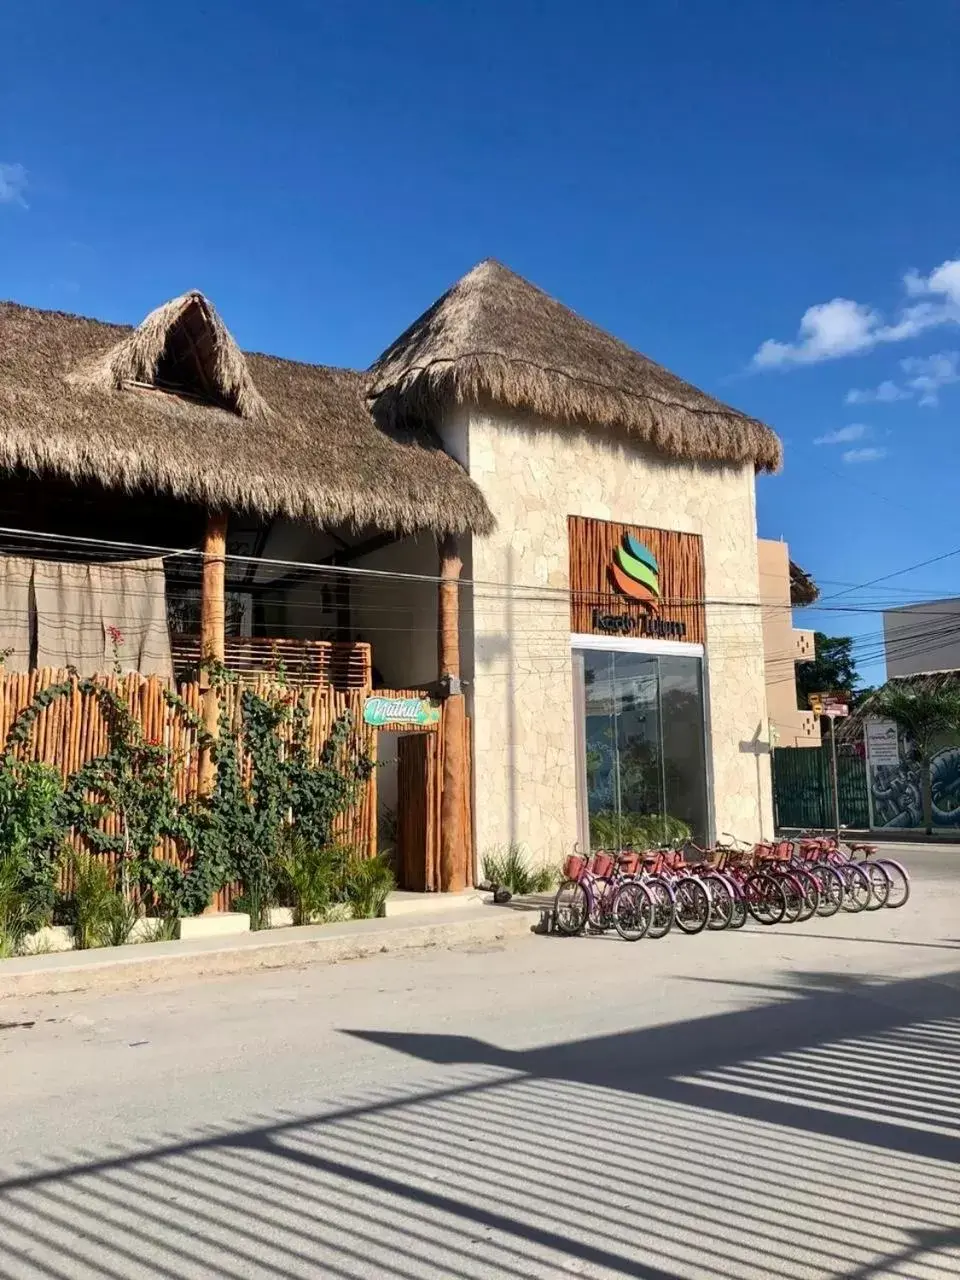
(642, 766)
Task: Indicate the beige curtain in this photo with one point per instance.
(15, 611)
(134, 600)
(78, 605)
(69, 624)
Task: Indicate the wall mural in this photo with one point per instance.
(895, 789)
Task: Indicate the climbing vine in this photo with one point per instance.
(266, 784)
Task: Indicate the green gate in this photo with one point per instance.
(803, 790)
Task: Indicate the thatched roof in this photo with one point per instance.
(174, 406)
(803, 589)
(922, 682)
(496, 339)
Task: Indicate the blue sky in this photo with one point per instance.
(695, 177)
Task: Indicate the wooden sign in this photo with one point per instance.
(634, 581)
(828, 704)
(417, 712)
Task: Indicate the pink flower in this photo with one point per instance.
(115, 634)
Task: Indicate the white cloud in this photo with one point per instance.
(831, 329)
(886, 393)
(927, 374)
(844, 435)
(945, 281)
(843, 327)
(864, 455)
(13, 183)
(930, 373)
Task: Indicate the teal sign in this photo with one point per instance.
(383, 711)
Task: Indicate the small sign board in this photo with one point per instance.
(380, 712)
(883, 742)
(828, 704)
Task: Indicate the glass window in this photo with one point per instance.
(643, 767)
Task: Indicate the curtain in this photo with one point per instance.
(134, 600)
(96, 616)
(16, 614)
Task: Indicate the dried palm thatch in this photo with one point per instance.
(496, 339)
(89, 401)
(922, 684)
(803, 589)
(181, 344)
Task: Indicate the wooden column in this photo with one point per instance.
(212, 629)
(453, 786)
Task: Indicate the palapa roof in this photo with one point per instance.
(174, 406)
(803, 589)
(79, 398)
(496, 339)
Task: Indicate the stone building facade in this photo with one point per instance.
(517, 630)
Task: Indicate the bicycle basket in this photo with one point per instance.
(629, 863)
(574, 866)
(601, 864)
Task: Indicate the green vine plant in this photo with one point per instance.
(268, 783)
(268, 788)
(133, 780)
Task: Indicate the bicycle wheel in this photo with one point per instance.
(632, 910)
(811, 893)
(693, 905)
(880, 884)
(571, 908)
(664, 910)
(600, 917)
(899, 883)
(740, 913)
(793, 895)
(765, 898)
(721, 902)
(856, 888)
(830, 883)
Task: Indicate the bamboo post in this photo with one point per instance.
(453, 844)
(212, 629)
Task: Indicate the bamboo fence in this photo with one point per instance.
(72, 730)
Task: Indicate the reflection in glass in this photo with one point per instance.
(644, 769)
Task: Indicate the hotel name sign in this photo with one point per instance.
(631, 580)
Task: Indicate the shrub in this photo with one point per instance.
(15, 910)
(368, 882)
(32, 828)
(120, 919)
(93, 902)
(507, 867)
(310, 877)
(610, 830)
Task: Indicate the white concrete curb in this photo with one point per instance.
(115, 968)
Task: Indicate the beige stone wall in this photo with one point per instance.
(783, 647)
(522, 695)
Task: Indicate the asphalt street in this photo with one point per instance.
(771, 1103)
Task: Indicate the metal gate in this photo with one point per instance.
(803, 789)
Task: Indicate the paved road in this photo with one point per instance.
(775, 1103)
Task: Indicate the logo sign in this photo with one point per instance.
(635, 572)
(383, 711)
(623, 624)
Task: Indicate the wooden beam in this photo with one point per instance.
(212, 629)
(448, 630)
(454, 873)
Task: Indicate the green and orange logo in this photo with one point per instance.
(635, 572)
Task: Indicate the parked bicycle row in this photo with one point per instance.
(646, 894)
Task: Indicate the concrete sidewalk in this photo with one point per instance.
(113, 968)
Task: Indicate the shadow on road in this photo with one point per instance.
(729, 1145)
